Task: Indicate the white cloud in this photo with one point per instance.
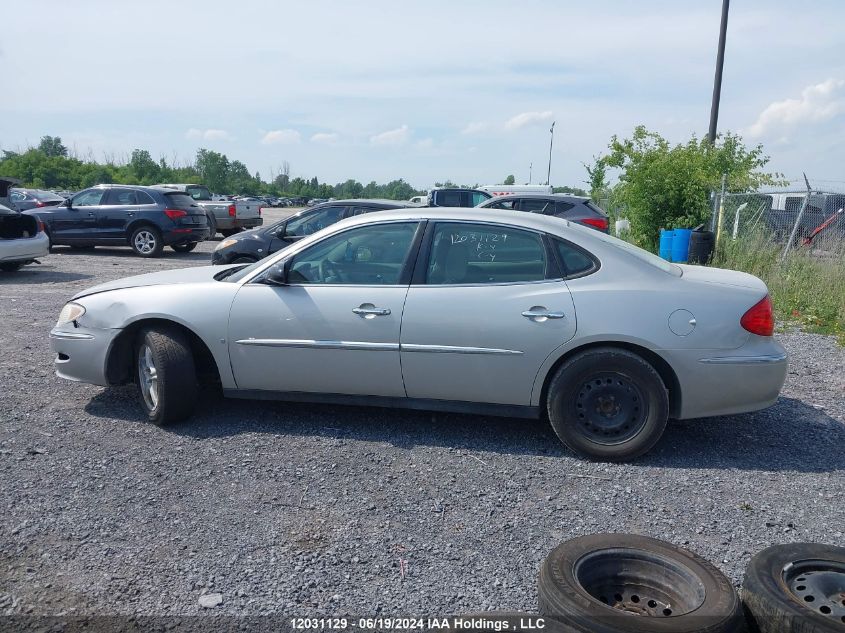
(426, 143)
(819, 102)
(528, 118)
(281, 137)
(392, 137)
(208, 135)
(326, 138)
(475, 127)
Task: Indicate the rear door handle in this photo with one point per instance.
(368, 311)
(542, 313)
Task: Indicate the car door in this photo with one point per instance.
(334, 328)
(119, 206)
(77, 222)
(486, 307)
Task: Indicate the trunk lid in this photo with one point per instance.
(722, 276)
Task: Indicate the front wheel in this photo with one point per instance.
(184, 248)
(608, 404)
(166, 375)
(146, 241)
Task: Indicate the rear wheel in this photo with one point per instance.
(184, 248)
(608, 403)
(146, 241)
(166, 375)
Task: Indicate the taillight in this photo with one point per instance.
(40, 204)
(40, 225)
(759, 319)
(175, 213)
(598, 223)
(232, 211)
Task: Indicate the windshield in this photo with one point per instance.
(198, 192)
(636, 251)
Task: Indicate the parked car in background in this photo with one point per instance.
(574, 208)
(504, 190)
(25, 199)
(250, 246)
(226, 217)
(780, 212)
(22, 238)
(514, 314)
(419, 201)
(314, 201)
(144, 218)
(456, 197)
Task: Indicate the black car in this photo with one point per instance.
(574, 208)
(25, 199)
(250, 246)
(145, 218)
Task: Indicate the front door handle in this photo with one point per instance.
(369, 311)
(539, 313)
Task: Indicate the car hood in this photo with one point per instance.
(167, 277)
(722, 276)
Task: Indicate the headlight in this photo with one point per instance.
(71, 312)
(225, 244)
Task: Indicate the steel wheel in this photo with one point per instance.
(144, 242)
(820, 585)
(148, 377)
(610, 408)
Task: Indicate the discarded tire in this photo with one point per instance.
(796, 587)
(614, 583)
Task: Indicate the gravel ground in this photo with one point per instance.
(303, 510)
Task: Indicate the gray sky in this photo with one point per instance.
(423, 90)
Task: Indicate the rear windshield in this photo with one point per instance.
(179, 200)
(636, 251)
(46, 195)
(198, 192)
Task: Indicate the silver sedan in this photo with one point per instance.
(498, 313)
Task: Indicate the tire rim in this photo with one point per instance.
(640, 582)
(145, 242)
(610, 408)
(148, 377)
(818, 585)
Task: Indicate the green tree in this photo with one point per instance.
(144, 170)
(52, 146)
(665, 186)
(597, 173)
(510, 180)
(213, 170)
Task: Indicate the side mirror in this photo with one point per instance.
(67, 203)
(277, 275)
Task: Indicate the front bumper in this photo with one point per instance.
(25, 248)
(81, 353)
(730, 381)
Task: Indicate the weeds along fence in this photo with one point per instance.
(795, 242)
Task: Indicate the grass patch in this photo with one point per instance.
(807, 288)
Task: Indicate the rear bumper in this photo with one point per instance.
(239, 223)
(730, 381)
(81, 353)
(186, 235)
(25, 248)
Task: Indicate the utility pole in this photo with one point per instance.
(717, 81)
(530, 168)
(551, 142)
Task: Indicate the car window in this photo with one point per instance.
(636, 251)
(198, 192)
(17, 196)
(116, 197)
(89, 198)
(144, 198)
(576, 262)
(309, 223)
(449, 198)
(482, 254)
(179, 200)
(365, 255)
(534, 205)
(361, 210)
(562, 207)
(502, 204)
(477, 198)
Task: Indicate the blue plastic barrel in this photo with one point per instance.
(665, 250)
(680, 245)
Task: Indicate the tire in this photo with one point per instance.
(796, 587)
(229, 232)
(595, 583)
(244, 260)
(10, 267)
(608, 403)
(212, 227)
(165, 374)
(146, 241)
(184, 248)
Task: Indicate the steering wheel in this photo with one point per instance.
(328, 269)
